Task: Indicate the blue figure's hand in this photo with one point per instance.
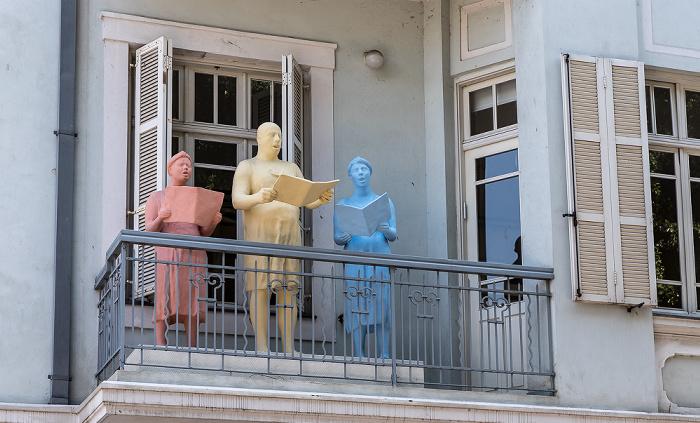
(343, 238)
(384, 228)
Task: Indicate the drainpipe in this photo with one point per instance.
(60, 372)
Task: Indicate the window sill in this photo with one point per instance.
(675, 324)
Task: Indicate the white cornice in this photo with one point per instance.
(237, 45)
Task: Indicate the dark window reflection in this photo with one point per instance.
(665, 216)
(174, 145)
(695, 204)
(277, 118)
(662, 106)
(669, 296)
(227, 100)
(647, 93)
(498, 214)
(694, 163)
(175, 107)
(222, 181)
(498, 164)
(662, 162)
(481, 111)
(218, 153)
(204, 97)
(692, 110)
(506, 105)
(260, 102)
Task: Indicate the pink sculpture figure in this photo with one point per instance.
(176, 294)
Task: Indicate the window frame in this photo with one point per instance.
(480, 78)
(682, 146)
(463, 92)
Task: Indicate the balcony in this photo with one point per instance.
(450, 324)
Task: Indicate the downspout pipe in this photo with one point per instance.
(60, 372)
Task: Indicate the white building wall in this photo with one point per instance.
(378, 114)
(29, 35)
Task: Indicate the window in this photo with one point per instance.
(489, 107)
(673, 123)
(222, 100)
(491, 183)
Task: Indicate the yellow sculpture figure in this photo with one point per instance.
(267, 220)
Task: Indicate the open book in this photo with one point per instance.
(193, 204)
(363, 221)
(298, 191)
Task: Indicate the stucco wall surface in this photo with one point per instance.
(378, 114)
(29, 35)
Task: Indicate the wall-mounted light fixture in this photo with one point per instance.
(374, 59)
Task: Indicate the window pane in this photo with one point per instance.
(647, 92)
(506, 104)
(694, 163)
(692, 110)
(481, 111)
(204, 97)
(662, 107)
(174, 145)
(498, 214)
(498, 164)
(217, 153)
(227, 100)
(669, 296)
(665, 216)
(175, 107)
(259, 102)
(222, 181)
(277, 118)
(662, 162)
(695, 201)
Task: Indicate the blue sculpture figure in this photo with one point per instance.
(368, 303)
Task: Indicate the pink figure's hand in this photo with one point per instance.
(164, 213)
(326, 196)
(267, 195)
(344, 238)
(217, 219)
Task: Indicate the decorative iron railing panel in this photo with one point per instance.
(425, 322)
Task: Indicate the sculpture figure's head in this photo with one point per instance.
(269, 139)
(180, 168)
(359, 171)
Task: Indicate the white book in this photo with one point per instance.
(299, 191)
(363, 221)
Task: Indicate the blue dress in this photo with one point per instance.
(367, 302)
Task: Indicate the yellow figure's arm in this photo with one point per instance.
(241, 194)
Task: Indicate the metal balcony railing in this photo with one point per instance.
(433, 323)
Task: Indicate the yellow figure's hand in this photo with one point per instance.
(267, 195)
(326, 196)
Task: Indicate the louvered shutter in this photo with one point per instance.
(609, 191)
(292, 111)
(153, 130)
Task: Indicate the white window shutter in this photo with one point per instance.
(629, 145)
(152, 132)
(292, 111)
(608, 170)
